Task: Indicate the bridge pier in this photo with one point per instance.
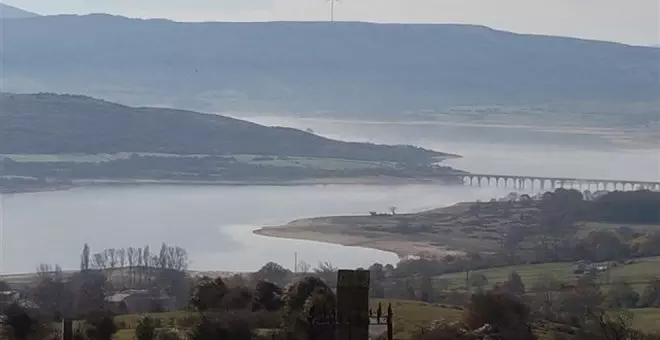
(528, 182)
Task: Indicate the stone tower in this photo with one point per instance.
(353, 305)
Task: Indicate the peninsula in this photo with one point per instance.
(54, 141)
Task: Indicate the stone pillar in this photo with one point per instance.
(353, 305)
(67, 329)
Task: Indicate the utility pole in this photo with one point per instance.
(2, 218)
(2, 231)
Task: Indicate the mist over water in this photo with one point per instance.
(215, 224)
(512, 150)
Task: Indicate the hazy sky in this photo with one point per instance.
(629, 21)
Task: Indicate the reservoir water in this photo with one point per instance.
(215, 224)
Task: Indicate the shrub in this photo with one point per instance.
(504, 312)
(146, 329)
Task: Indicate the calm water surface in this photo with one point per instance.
(501, 150)
(215, 224)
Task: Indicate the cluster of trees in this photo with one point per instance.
(232, 307)
(622, 295)
(548, 230)
(632, 207)
(576, 311)
(274, 297)
(500, 315)
(58, 295)
(602, 245)
(641, 207)
(235, 312)
(139, 262)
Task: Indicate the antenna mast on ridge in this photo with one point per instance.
(332, 9)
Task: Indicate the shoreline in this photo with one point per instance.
(373, 180)
(325, 229)
(624, 137)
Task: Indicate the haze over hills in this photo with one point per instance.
(10, 12)
(351, 69)
(65, 124)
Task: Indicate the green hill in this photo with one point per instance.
(350, 68)
(11, 12)
(64, 124)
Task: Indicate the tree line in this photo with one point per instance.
(135, 265)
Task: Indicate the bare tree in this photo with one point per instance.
(99, 261)
(179, 259)
(614, 325)
(111, 255)
(84, 258)
(44, 270)
(131, 257)
(303, 267)
(327, 272)
(121, 257)
(154, 261)
(146, 257)
(546, 292)
(140, 261)
(163, 256)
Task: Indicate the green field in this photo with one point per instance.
(409, 317)
(530, 274)
(311, 162)
(305, 162)
(647, 319)
(638, 273)
(131, 321)
(80, 158)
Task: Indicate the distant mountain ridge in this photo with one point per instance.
(66, 124)
(11, 12)
(358, 68)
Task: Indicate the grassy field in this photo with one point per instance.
(638, 273)
(530, 274)
(647, 319)
(79, 158)
(165, 319)
(306, 162)
(411, 316)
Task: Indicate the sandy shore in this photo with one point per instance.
(346, 230)
(401, 248)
